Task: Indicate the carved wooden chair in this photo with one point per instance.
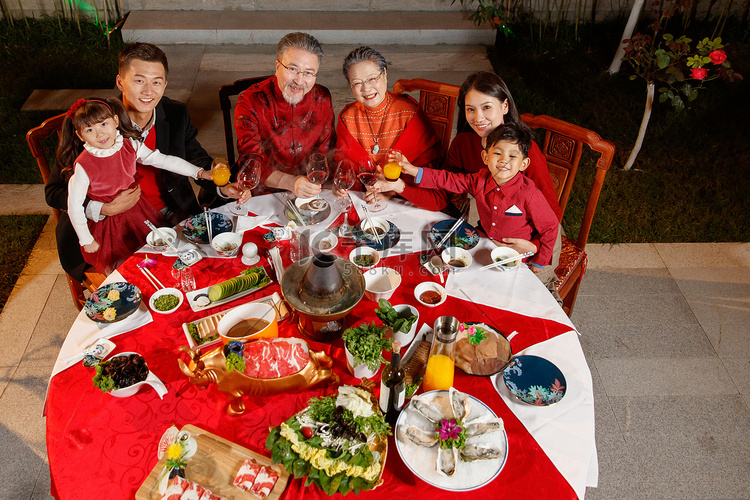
(36, 138)
(225, 94)
(563, 147)
(438, 101)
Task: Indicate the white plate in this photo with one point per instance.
(422, 461)
(194, 296)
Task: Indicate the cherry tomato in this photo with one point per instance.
(307, 432)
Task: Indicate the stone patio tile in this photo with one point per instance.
(44, 258)
(665, 377)
(624, 256)
(22, 199)
(644, 341)
(739, 370)
(21, 314)
(688, 447)
(632, 310)
(704, 254)
(629, 281)
(729, 341)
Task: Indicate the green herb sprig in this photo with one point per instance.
(235, 362)
(366, 343)
(104, 383)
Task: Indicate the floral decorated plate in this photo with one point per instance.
(465, 236)
(388, 240)
(113, 302)
(534, 380)
(195, 227)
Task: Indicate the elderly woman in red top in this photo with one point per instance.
(379, 122)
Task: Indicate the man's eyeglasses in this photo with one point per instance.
(370, 82)
(294, 71)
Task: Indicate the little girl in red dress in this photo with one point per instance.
(105, 168)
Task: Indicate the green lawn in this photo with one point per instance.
(692, 177)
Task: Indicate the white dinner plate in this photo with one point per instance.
(422, 460)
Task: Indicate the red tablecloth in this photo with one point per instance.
(104, 447)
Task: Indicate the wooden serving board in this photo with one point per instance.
(214, 466)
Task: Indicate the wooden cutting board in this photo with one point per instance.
(214, 466)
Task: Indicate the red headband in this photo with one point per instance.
(81, 102)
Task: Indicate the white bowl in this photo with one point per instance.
(457, 259)
(152, 239)
(375, 222)
(360, 251)
(308, 210)
(381, 282)
(405, 310)
(130, 390)
(227, 244)
(430, 286)
(324, 241)
(361, 370)
(166, 291)
(502, 253)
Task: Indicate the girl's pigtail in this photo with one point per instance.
(69, 148)
(126, 127)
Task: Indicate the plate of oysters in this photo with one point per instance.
(451, 440)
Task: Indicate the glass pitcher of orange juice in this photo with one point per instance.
(440, 363)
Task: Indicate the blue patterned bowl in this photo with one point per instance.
(195, 227)
(534, 380)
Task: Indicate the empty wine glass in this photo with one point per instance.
(317, 173)
(248, 179)
(368, 175)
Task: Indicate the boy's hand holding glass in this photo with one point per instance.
(399, 158)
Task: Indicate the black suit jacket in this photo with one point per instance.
(175, 135)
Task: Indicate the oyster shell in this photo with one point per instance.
(421, 437)
(484, 425)
(459, 404)
(427, 410)
(482, 451)
(446, 461)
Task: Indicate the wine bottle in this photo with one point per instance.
(393, 386)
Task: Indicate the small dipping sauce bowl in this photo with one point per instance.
(381, 282)
(430, 294)
(227, 244)
(258, 320)
(457, 259)
(157, 243)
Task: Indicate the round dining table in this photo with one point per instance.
(100, 446)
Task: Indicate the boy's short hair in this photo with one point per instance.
(143, 52)
(511, 132)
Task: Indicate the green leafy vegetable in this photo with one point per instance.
(235, 362)
(391, 318)
(366, 343)
(166, 302)
(104, 383)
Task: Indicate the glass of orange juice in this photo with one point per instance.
(220, 171)
(440, 364)
(392, 171)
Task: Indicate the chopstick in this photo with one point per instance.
(506, 261)
(459, 221)
(207, 216)
(150, 276)
(372, 226)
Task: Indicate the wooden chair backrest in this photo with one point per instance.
(36, 137)
(225, 94)
(438, 101)
(563, 147)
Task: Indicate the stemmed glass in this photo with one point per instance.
(317, 173)
(368, 175)
(248, 179)
(344, 180)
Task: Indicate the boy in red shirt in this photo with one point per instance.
(509, 204)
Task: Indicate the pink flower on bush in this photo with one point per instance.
(698, 73)
(717, 56)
